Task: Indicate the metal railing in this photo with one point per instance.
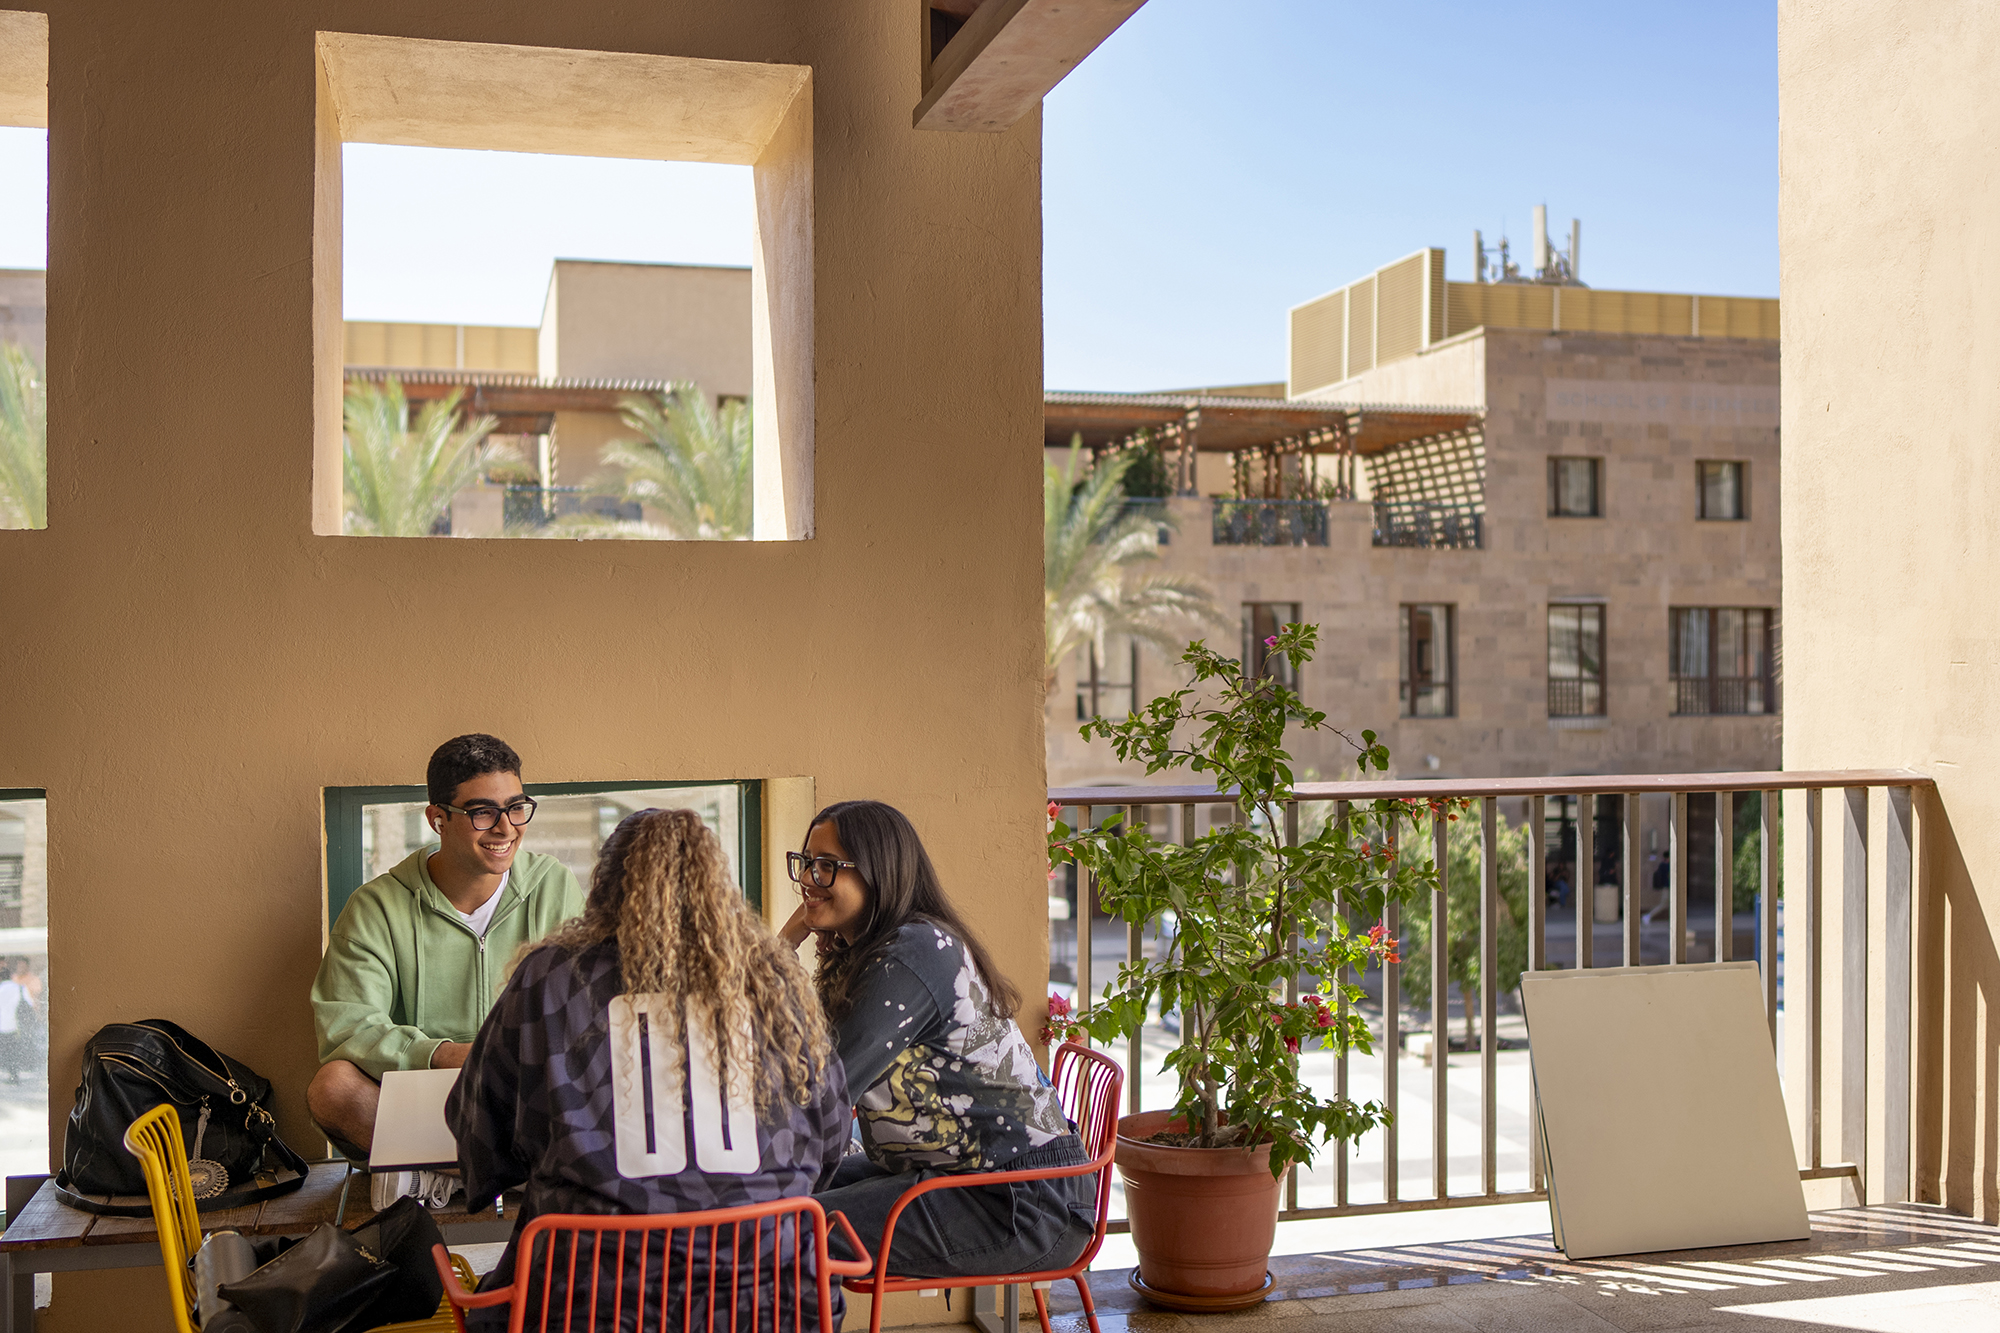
(1724, 695)
(1575, 697)
(1269, 523)
(1153, 508)
(1888, 1069)
(1420, 523)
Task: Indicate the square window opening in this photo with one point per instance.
(1575, 489)
(665, 394)
(1576, 659)
(24, 234)
(1428, 674)
(1723, 660)
(369, 830)
(1722, 490)
(24, 974)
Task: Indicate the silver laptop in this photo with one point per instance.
(410, 1129)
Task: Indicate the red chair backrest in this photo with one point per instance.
(761, 1268)
(1089, 1084)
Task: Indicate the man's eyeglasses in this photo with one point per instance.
(484, 817)
(820, 871)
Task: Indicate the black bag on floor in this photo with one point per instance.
(224, 1110)
(334, 1281)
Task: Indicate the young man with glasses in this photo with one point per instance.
(419, 954)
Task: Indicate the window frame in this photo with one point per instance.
(1255, 662)
(342, 828)
(1092, 686)
(1596, 485)
(1742, 514)
(1603, 677)
(1406, 667)
(1714, 680)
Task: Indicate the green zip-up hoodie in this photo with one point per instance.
(403, 973)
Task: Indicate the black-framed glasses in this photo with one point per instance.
(484, 817)
(823, 870)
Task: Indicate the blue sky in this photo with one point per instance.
(1212, 164)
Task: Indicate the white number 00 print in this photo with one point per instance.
(647, 1085)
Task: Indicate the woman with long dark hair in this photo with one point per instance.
(944, 1081)
(662, 1053)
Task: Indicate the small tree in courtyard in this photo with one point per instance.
(401, 473)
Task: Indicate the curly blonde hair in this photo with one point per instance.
(661, 888)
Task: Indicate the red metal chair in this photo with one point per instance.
(733, 1258)
(1089, 1085)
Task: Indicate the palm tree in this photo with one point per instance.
(692, 463)
(24, 440)
(401, 474)
(1089, 544)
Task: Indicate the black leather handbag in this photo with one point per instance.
(334, 1281)
(224, 1110)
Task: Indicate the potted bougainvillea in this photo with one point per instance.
(1253, 921)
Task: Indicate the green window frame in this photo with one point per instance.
(345, 804)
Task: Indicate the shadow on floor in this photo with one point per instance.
(1906, 1268)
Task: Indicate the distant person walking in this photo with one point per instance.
(16, 1045)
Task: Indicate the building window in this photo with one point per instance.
(1099, 691)
(1722, 659)
(1576, 660)
(1574, 491)
(1427, 675)
(1724, 490)
(370, 829)
(1260, 621)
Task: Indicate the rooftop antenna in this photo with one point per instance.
(1478, 256)
(1575, 251)
(1541, 242)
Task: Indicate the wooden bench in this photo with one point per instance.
(47, 1236)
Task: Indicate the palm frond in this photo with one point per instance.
(24, 440)
(401, 474)
(691, 463)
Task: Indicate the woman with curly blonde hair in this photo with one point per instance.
(662, 1053)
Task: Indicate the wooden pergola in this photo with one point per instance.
(1269, 431)
(525, 405)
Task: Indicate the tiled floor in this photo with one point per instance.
(1886, 1269)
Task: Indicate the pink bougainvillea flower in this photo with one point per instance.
(1292, 1045)
(1326, 1018)
(1058, 1006)
(1055, 809)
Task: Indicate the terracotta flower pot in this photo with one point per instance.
(1203, 1219)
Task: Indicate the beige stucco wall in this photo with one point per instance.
(188, 666)
(1647, 553)
(1886, 202)
(649, 321)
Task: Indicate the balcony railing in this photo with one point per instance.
(1153, 509)
(1269, 523)
(1575, 697)
(1787, 943)
(1695, 695)
(1421, 523)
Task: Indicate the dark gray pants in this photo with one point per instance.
(968, 1230)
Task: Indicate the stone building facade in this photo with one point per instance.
(1643, 424)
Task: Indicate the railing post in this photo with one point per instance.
(1086, 901)
(1896, 1002)
(1340, 1060)
(1440, 1007)
(1725, 876)
(1538, 955)
(1629, 874)
(1584, 875)
(1677, 876)
(1804, 945)
(1854, 988)
(1768, 871)
(1135, 949)
(1392, 1040)
(1489, 996)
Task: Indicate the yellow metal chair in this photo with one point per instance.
(155, 1139)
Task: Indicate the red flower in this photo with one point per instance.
(1326, 1018)
(1055, 809)
(1292, 1045)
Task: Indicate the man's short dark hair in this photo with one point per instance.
(463, 758)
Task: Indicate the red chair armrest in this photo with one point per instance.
(849, 1267)
(967, 1179)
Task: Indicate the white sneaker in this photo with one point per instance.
(433, 1188)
